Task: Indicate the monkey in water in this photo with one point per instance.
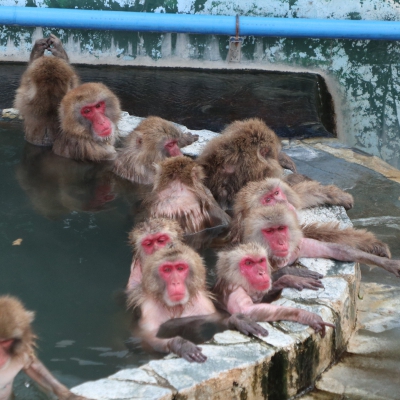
(43, 85)
(272, 191)
(243, 281)
(173, 286)
(17, 352)
(277, 229)
(148, 237)
(89, 115)
(152, 141)
(179, 193)
(245, 151)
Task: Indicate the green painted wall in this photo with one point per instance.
(362, 75)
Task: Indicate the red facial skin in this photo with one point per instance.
(255, 270)
(152, 243)
(174, 274)
(5, 346)
(95, 113)
(273, 197)
(278, 240)
(171, 146)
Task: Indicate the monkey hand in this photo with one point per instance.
(392, 266)
(39, 47)
(68, 395)
(315, 321)
(187, 350)
(56, 47)
(298, 282)
(246, 325)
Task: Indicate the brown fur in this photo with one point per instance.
(76, 139)
(245, 151)
(43, 85)
(179, 193)
(145, 146)
(150, 227)
(357, 238)
(15, 323)
(229, 277)
(268, 217)
(153, 286)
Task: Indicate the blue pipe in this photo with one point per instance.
(203, 24)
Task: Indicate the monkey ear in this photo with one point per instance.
(229, 169)
(157, 167)
(197, 172)
(139, 139)
(30, 315)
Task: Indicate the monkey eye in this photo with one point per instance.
(268, 199)
(262, 260)
(161, 239)
(147, 243)
(248, 262)
(281, 228)
(276, 193)
(180, 267)
(269, 230)
(98, 105)
(167, 269)
(86, 110)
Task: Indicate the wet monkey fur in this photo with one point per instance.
(153, 140)
(17, 352)
(273, 191)
(179, 193)
(173, 286)
(43, 85)
(89, 115)
(245, 151)
(243, 281)
(277, 228)
(148, 237)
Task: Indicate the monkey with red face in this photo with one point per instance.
(273, 191)
(154, 140)
(173, 286)
(244, 281)
(17, 343)
(277, 229)
(44, 83)
(89, 115)
(148, 237)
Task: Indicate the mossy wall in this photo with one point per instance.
(362, 75)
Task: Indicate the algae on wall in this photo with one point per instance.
(364, 72)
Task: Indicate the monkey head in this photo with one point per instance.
(246, 266)
(275, 227)
(268, 192)
(153, 234)
(158, 138)
(91, 109)
(174, 275)
(16, 336)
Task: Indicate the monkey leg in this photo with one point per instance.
(286, 162)
(187, 138)
(359, 239)
(312, 194)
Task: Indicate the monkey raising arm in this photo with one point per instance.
(313, 248)
(240, 302)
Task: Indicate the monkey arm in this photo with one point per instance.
(57, 50)
(314, 248)
(304, 272)
(42, 376)
(240, 301)
(286, 162)
(38, 49)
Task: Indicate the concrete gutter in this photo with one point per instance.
(285, 363)
(199, 23)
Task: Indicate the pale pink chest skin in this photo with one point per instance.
(155, 313)
(8, 373)
(135, 278)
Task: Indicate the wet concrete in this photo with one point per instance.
(370, 368)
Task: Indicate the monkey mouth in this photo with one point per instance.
(105, 132)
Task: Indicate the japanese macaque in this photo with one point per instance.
(245, 151)
(148, 237)
(89, 115)
(17, 352)
(179, 193)
(154, 140)
(272, 191)
(44, 83)
(173, 286)
(277, 228)
(243, 281)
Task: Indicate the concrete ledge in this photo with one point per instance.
(279, 366)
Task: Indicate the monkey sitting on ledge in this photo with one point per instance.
(277, 229)
(17, 343)
(173, 286)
